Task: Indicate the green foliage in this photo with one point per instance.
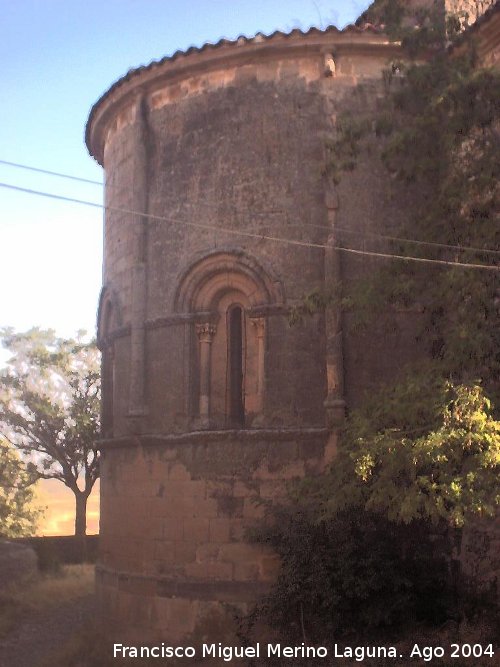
(389, 13)
(18, 516)
(438, 136)
(445, 140)
(343, 150)
(49, 408)
(420, 458)
(418, 28)
(373, 547)
(312, 303)
(422, 450)
(354, 573)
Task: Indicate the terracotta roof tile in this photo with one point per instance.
(241, 40)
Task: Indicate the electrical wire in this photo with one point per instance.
(344, 230)
(434, 244)
(51, 173)
(235, 232)
(107, 185)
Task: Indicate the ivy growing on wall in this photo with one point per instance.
(425, 450)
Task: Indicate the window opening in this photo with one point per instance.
(107, 373)
(235, 366)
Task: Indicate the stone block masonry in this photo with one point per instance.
(181, 547)
(212, 403)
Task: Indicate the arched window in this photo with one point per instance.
(233, 362)
(108, 320)
(225, 294)
(236, 349)
(107, 375)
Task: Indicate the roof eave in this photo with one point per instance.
(368, 40)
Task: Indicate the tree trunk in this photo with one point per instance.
(81, 524)
(81, 515)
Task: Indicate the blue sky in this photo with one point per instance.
(58, 57)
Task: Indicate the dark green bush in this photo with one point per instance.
(357, 573)
(52, 552)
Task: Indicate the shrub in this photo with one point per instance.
(357, 573)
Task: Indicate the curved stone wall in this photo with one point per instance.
(217, 204)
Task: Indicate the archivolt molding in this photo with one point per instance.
(208, 279)
(109, 316)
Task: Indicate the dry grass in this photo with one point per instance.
(43, 593)
(91, 648)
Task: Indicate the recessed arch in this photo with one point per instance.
(109, 316)
(108, 321)
(203, 283)
(227, 292)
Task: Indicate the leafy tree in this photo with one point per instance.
(18, 517)
(438, 136)
(49, 410)
(427, 445)
(437, 460)
(422, 454)
(373, 546)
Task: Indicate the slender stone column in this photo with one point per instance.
(107, 384)
(334, 403)
(140, 203)
(260, 328)
(206, 334)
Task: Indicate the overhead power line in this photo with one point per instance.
(235, 232)
(51, 173)
(101, 184)
(205, 204)
(434, 244)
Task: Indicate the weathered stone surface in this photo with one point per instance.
(221, 218)
(224, 159)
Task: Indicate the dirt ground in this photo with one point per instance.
(36, 637)
(39, 617)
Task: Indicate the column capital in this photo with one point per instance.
(259, 323)
(206, 332)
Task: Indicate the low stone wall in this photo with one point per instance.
(54, 551)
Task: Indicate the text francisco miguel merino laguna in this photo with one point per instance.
(228, 653)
